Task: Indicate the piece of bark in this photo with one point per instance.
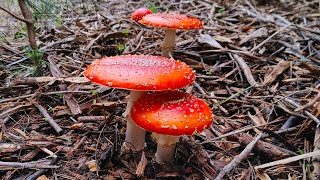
(75, 148)
(270, 150)
(68, 97)
(142, 165)
(257, 33)
(277, 70)
(14, 110)
(246, 70)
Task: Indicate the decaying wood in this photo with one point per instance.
(267, 149)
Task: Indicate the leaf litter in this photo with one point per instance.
(257, 65)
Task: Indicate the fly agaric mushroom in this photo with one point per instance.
(139, 73)
(171, 22)
(139, 13)
(169, 115)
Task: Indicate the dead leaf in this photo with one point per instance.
(76, 126)
(43, 177)
(257, 33)
(222, 39)
(92, 165)
(207, 39)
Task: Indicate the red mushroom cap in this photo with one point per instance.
(140, 72)
(171, 113)
(171, 21)
(139, 13)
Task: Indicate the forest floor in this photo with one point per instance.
(257, 66)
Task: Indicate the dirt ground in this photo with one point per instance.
(257, 65)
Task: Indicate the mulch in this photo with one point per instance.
(257, 67)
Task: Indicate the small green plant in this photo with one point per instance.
(221, 10)
(36, 57)
(43, 10)
(58, 21)
(45, 119)
(50, 108)
(121, 47)
(21, 33)
(300, 151)
(151, 6)
(126, 32)
(96, 4)
(94, 92)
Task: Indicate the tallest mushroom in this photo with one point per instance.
(171, 22)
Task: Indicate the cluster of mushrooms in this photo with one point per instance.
(154, 103)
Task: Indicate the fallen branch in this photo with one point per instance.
(288, 160)
(40, 172)
(307, 113)
(31, 165)
(266, 148)
(237, 160)
(48, 118)
(75, 148)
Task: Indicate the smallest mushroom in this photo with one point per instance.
(169, 115)
(171, 22)
(139, 13)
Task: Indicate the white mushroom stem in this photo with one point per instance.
(166, 146)
(169, 43)
(135, 136)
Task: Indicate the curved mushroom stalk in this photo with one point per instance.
(134, 96)
(166, 146)
(169, 43)
(135, 136)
